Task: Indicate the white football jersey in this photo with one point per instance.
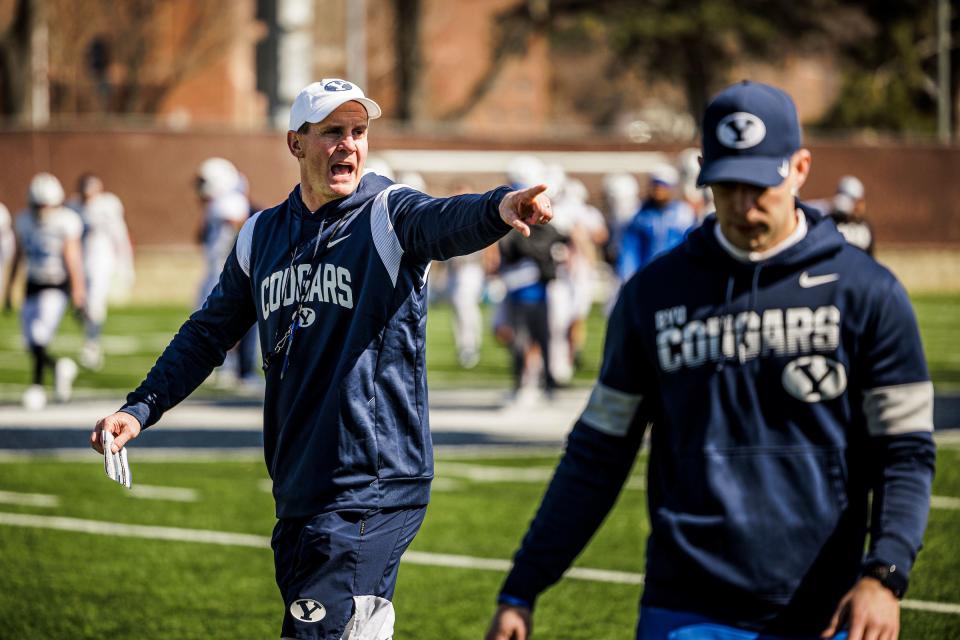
(6, 236)
(42, 238)
(222, 217)
(104, 227)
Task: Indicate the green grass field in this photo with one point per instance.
(69, 584)
(135, 336)
(63, 584)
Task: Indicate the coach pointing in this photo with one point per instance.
(335, 279)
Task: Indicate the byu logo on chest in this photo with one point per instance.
(306, 610)
(741, 130)
(814, 378)
(306, 316)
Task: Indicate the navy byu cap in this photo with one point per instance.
(750, 131)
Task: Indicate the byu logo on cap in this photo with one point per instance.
(741, 130)
(337, 85)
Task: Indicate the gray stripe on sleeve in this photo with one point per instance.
(610, 411)
(245, 243)
(898, 409)
(384, 236)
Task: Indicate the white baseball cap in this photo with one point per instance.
(217, 177)
(318, 100)
(665, 174)
(851, 187)
(45, 191)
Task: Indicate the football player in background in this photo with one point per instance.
(848, 208)
(107, 258)
(8, 247)
(48, 241)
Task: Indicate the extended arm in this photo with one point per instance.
(198, 347)
(440, 228)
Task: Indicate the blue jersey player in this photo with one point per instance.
(791, 454)
(334, 279)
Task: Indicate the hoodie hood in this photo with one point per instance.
(370, 185)
(822, 239)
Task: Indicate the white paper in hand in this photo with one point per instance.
(115, 464)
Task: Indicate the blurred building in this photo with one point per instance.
(140, 92)
(486, 67)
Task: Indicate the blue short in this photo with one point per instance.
(664, 624)
(339, 568)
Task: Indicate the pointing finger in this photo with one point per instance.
(530, 193)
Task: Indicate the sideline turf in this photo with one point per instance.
(58, 584)
(135, 336)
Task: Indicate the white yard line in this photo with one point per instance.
(143, 454)
(485, 473)
(173, 494)
(135, 530)
(411, 557)
(29, 499)
(446, 484)
(944, 502)
(935, 607)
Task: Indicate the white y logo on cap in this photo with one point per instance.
(337, 85)
(741, 130)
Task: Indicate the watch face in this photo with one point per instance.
(889, 577)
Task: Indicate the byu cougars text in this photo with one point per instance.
(326, 283)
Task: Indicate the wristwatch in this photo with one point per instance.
(888, 576)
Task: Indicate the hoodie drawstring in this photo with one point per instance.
(753, 303)
(727, 304)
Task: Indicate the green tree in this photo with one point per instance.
(693, 42)
(890, 72)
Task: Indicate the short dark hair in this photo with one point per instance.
(85, 179)
(304, 128)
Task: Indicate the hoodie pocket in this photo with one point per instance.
(756, 518)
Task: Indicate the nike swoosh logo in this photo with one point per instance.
(807, 280)
(340, 239)
(784, 169)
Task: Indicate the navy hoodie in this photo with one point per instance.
(345, 413)
(781, 394)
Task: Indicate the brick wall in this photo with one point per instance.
(912, 191)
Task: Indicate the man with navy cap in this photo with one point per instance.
(782, 373)
(334, 278)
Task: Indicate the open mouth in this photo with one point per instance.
(341, 169)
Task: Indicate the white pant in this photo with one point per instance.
(560, 314)
(41, 315)
(466, 289)
(99, 276)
